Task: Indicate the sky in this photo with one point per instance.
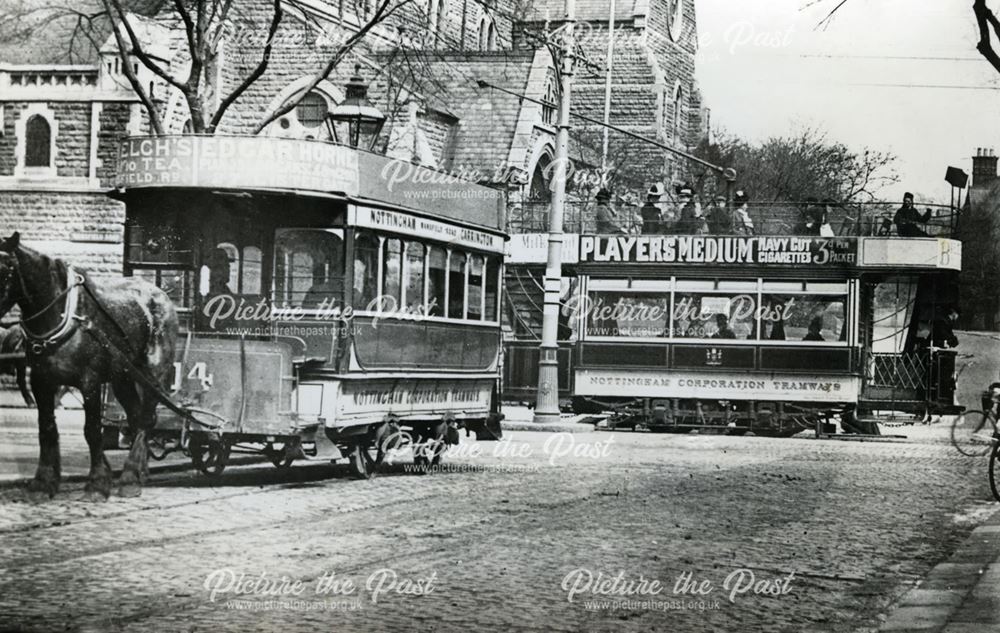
(901, 76)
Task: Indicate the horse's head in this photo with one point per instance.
(9, 287)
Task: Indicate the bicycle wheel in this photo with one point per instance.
(972, 432)
(995, 470)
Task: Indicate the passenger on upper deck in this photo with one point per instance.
(743, 224)
(690, 221)
(652, 214)
(812, 217)
(720, 220)
(606, 217)
(907, 218)
(628, 206)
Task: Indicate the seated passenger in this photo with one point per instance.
(723, 331)
(815, 330)
(690, 221)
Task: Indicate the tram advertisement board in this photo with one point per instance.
(703, 249)
(718, 385)
(413, 397)
(236, 163)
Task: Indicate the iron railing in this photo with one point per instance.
(778, 218)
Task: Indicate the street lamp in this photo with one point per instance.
(362, 120)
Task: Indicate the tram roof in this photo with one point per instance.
(284, 166)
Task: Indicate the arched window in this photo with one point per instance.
(487, 34)
(677, 125)
(38, 142)
(312, 110)
(436, 17)
(540, 191)
(551, 98)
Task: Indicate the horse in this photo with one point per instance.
(83, 332)
(12, 360)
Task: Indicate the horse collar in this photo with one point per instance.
(42, 344)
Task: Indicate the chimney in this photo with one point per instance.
(984, 167)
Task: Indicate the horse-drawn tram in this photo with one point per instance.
(764, 334)
(323, 292)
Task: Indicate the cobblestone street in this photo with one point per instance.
(544, 537)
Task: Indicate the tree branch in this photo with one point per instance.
(257, 72)
(986, 19)
(381, 14)
(154, 116)
(138, 51)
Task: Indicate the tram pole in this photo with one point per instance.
(547, 398)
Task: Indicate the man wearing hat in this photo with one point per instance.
(720, 220)
(606, 216)
(652, 215)
(690, 221)
(743, 224)
(907, 218)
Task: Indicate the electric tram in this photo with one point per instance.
(765, 334)
(328, 296)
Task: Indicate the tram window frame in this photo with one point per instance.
(451, 311)
(188, 286)
(284, 302)
(160, 248)
(760, 287)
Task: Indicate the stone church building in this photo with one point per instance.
(60, 123)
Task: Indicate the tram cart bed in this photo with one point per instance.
(243, 397)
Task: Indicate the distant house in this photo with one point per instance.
(979, 230)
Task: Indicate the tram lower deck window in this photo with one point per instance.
(699, 310)
(308, 268)
(176, 283)
(428, 279)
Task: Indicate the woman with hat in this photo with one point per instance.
(743, 224)
(652, 214)
(606, 216)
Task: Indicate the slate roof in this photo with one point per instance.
(486, 118)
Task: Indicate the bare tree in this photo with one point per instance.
(194, 69)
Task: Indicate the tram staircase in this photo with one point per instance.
(523, 332)
(525, 297)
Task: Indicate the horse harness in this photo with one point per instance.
(46, 343)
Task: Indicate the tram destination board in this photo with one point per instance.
(685, 249)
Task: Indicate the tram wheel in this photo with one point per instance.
(972, 432)
(280, 458)
(362, 464)
(210, 458)
(995, 470)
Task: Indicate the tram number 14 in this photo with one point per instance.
(199, 372)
